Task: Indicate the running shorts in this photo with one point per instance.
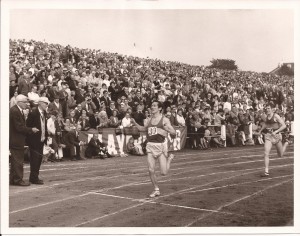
(273, 138)
(156, 149)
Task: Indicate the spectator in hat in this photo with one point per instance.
(17, 134)
(36, 141)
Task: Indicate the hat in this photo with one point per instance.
(21, 98)
(44, 99)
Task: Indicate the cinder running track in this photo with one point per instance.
(220, 187)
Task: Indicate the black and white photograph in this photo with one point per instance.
(149, 117)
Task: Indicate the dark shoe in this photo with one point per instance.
(74, 159)
(39, 181)
(109, 156)
(81, 158)
(21, 183)
(101, 157)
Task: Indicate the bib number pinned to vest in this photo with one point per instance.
(152, 131)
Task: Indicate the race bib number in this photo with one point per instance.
(152, 131)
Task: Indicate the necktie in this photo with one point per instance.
(42, 127)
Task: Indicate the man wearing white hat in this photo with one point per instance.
(36, 141)
(17, 135)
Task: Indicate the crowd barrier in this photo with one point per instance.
(117, 141)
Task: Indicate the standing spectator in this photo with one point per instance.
(17, 134)
(36, 141)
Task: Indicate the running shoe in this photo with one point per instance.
(266, 174)
(155, 193)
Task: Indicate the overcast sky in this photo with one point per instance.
(256, 39)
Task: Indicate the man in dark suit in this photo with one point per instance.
(97, 100)
(36, 141)
(94, 120)
(72, 142)
(17, 135)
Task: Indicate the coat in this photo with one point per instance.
(33, 120)
(17, 128)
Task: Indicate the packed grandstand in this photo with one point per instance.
(101, 90)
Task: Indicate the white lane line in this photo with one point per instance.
(237, 184)
(216, 181)
(146, 200)
(172, 205)
(187, 177)
(144, 181)
(238, 200)
(49, 203)
(176, 164)
(99, 190)
(107, 215)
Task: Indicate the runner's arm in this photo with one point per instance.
(140, 128)
(281, 122)
(168, 127)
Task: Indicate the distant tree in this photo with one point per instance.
(225, 64)
(286, 70)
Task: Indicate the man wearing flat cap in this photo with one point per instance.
(17, 135)
(36, 141)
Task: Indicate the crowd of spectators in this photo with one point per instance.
(101, 89)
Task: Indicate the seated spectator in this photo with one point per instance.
(71, 140)
(180, 119)
(95, 148)
(114, 120)
(94, 120)
(126, 121)
(195, 124)
(103, 120)
(84, 122)
(88, 105)
(219, 118)
(134, 148)
(257, 136)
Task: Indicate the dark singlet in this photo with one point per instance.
(272, 123)
(152, 135)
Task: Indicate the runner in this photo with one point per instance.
(157, 129)
(272, 128)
